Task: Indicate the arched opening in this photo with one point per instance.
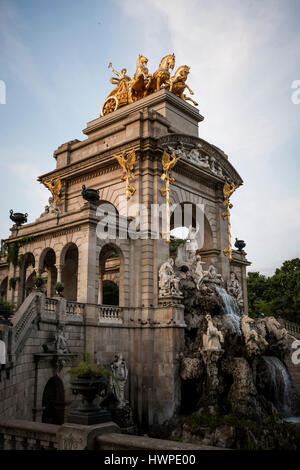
(3, 289)
(26, 270)
(29, 284)
(70, 271)
(53, 402)
(49, 271)
(110, 291)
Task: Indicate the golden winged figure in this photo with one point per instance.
(54, 185)
(228, 190)
(127, 163)
(168, 162)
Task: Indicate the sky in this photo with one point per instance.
(244, 57)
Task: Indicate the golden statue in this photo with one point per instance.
(228, 190)
(168, 162)
(54, 185)
(143, 83)
(127, 163)
(177, 84)
(138, 84)
(162, 75)
(119, 96)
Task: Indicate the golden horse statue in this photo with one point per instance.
(177, 85)
(162, 75)
(139, 82)
(143, 83)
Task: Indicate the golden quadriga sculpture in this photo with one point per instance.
(143, 83)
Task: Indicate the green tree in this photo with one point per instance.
(279, 293)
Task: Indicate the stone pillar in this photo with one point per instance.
(59, 268)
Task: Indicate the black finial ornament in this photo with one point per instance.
(18, 218)
(90, 195)
(239, 244)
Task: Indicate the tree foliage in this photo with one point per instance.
(278, 294)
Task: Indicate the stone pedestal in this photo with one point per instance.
(79, 437)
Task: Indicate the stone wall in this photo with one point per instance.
(22, 381)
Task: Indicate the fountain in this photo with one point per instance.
(232, 365)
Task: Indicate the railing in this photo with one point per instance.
(27, 435)
(291, 327)
(110, 314)
(23, 320)
(74, 308)
(50, 305)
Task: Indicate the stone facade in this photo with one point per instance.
(66, 248)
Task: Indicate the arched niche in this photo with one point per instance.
(110, 293)
(111, 269)
(3, 289)
(27, 266)
(69, 263)
(47, 267)
(53, 402)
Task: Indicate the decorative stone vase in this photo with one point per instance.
(38, 283)
(239, 244)
(18, 218)
(88, 412)
(59, 289)
(90, 195)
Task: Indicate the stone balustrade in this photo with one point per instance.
(50, 305)
(110, 314)
(27, 435)
(292, 328)
(74, 308)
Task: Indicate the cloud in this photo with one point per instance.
(243, 57)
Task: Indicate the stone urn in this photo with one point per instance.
(239, 244)
(18, 218)
(59, 288)
(88, 412)
(90, 195)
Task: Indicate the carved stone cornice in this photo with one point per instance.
(205, 159)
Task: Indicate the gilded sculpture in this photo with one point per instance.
(228, 190)
(127, 161)
(143, 83)
(168, 162)
(54, 186)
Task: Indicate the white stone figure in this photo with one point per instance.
(168, 281)
(211, 275)
(118, 379)
(204, 161)
(219, 171)
(50, 208)
(255, 343)
(234, 289)
(213, 165)
(213, 338)
(179, 152)
(275, 328)
(61, 344)
(2, 352)
(197, 271)
(194, 154)
(192, 244)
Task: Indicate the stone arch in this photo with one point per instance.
(69, 259)
(26, 268)
(111, 195)
(3, 289)
(47, 268)
(181, 196)
(53, 401)
(105, 251)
